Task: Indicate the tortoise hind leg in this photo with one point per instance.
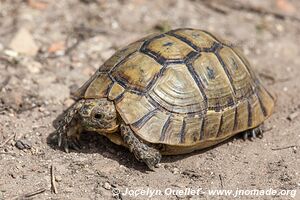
(253, 133)
(142, 152)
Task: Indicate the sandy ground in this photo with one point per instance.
(63, 42)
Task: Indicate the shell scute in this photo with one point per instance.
(116, 91)
(137, 72)
(98, 87)
(200, 39)
(120, 55)
(238, 73)
(176, 91)
(169, 48)
(151, 129)
(133, 107)
(217, 86)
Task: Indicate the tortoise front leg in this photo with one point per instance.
(68, 130)
(142, 152)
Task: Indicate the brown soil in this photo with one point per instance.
(73, 39)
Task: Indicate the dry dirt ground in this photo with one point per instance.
(61, 43)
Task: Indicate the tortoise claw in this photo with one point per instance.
(67, 142)
(245, 136)
(74, 143)
(66, 147)
(252, 134)
(59, 139)
(71, 143)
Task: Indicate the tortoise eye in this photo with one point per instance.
(99, 116)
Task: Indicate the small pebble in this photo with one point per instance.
(23, 42)
(11, 53)
(295, 150)
(279, 27)
(69, 190)
(292, 116)
(58, 178)
(175, 170)
(107, 186)
(33, 66)
(23, 144)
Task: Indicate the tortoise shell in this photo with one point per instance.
(184, 88)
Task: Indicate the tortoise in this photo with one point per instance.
(169, 93)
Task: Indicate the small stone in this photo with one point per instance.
(58, 178)
(33, 66)
(69, 190)
(175, 170)
(56, 47)
(26, 136)
(39, 5)
(12, 175)
(107, 186)
(24, 43)
(295, 150)
(292, 116)
(122, 167)
(23, 144)
(11, 53)
(279, 28)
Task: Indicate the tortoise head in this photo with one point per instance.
(98, 115)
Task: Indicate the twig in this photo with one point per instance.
(251, 9)
(73, 46)
(262, 11)
(31, 194)
(281, 148)
(7, 140)
(221, 180)
(215, 7)
(53, 183)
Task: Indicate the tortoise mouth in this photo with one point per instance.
(107, 130)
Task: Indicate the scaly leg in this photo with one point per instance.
(68, 132)
(142, 152)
